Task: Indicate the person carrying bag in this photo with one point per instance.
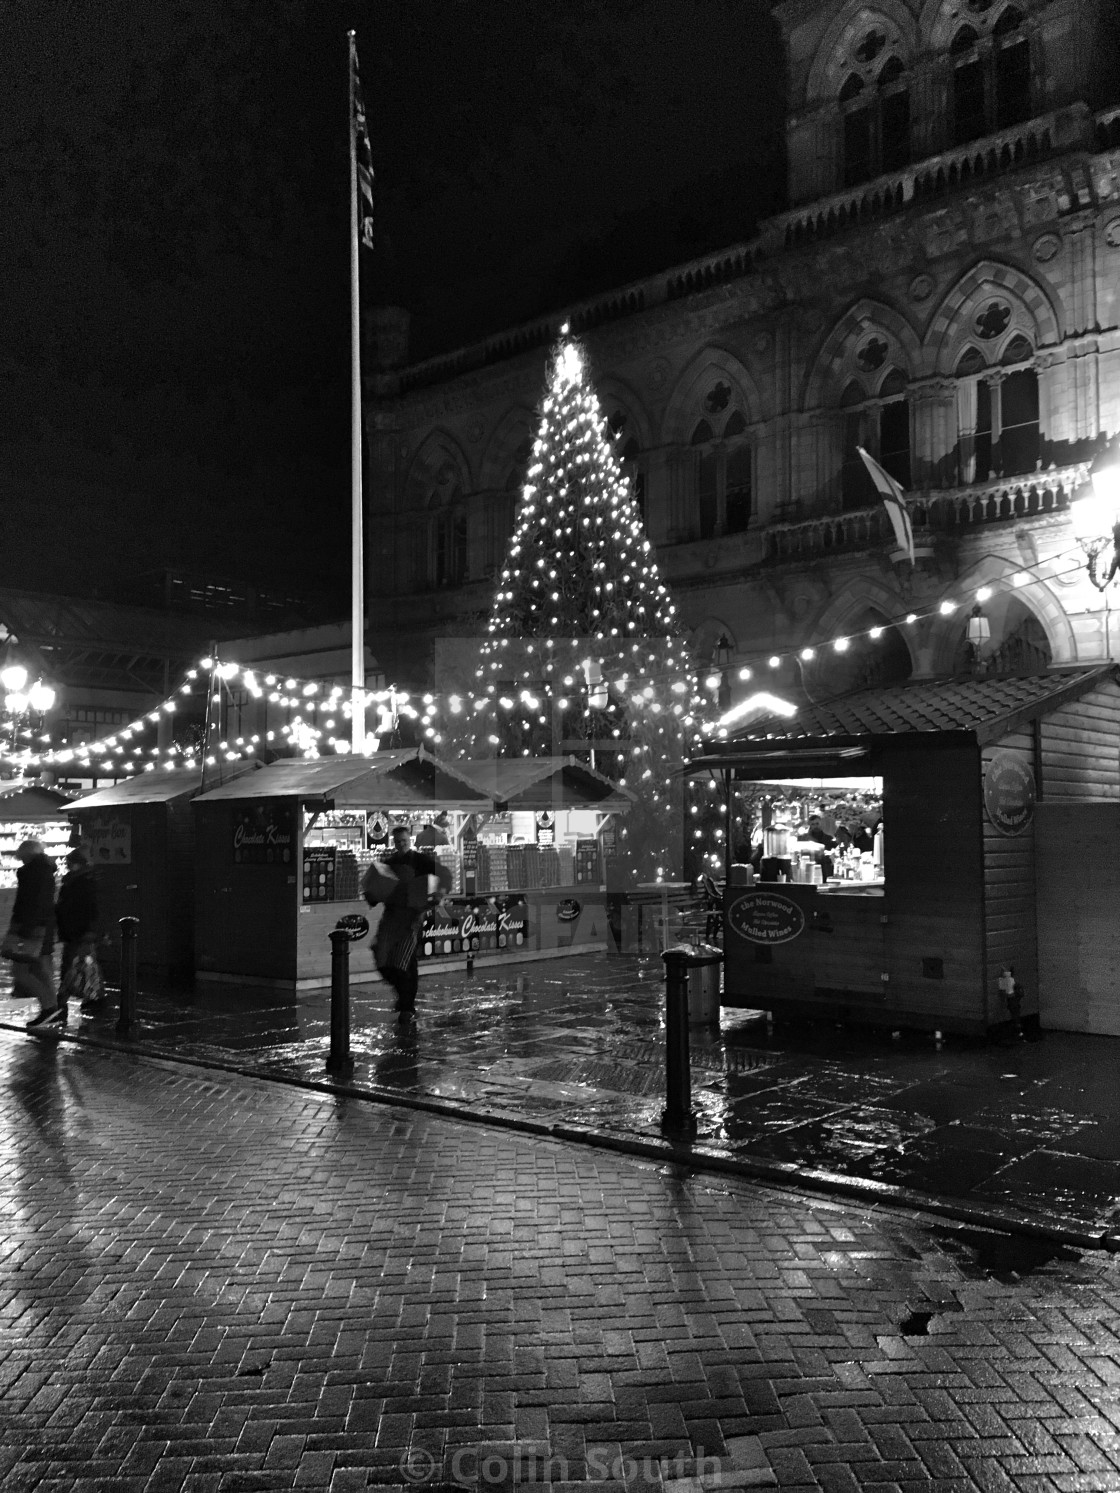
(76, 918)
(29, 941)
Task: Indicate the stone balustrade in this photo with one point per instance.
(934, 513)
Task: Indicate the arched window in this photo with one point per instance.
(631, 459)
(998, 413)
(991, 77)
(503, 509)
(448, 540)
(875, 106)
(881, 425)
(737, 482)
(724, 464)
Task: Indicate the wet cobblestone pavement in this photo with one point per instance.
(212, 1283)
(1026, 1135)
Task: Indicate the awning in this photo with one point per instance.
(410, 779)
(546, 783)
(848, 736)
(25, 804)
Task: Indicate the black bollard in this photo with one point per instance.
(677, 1118)
(340, 1062)
(126, 1016)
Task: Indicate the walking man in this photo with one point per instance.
(398, 933)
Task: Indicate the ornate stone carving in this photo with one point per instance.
(1046, 247)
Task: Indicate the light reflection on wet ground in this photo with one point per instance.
(1034, 1127)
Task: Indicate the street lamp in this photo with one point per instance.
(1094, 513)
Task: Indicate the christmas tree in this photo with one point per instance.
(583, 651)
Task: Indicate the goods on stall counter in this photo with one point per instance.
(448, 856)
(550, 866)
(587, 861)
(567, 866)
(498, 868)
(515, 865)
(346, 876)
(318, 873)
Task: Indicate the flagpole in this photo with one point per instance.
(357, 557)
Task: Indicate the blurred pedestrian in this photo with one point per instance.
(76, 919)
(395, 948)
(29, 942)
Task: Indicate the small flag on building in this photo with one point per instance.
(895, 500)
(364, 157)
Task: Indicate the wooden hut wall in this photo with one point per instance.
(1010, 914)
(1080, 747)
(179, 830)
(934, 870)
(245, 913)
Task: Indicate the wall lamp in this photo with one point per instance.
(1094, 513)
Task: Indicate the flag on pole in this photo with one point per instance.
(364, 160)
(895, 500)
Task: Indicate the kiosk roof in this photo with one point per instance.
(840, 730)
(546, 783)
(406, 779)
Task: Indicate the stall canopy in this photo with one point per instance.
(546, 783)
(847, 736)
(409, 779)
(148, 788)
(33, 805)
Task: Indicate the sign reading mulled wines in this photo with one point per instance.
(765, 917)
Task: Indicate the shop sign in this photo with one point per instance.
(568, 910)
(262, 836)
(765, 917)
(546, 827)
(107, 840)
(1009, 792)
(354, 925)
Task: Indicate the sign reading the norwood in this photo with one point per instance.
(765, 917)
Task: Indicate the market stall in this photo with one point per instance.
(935, 921)
(29, 811)
(281, 853)
(139, 836)
(550, 839)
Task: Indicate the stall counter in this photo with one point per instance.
(532, 925)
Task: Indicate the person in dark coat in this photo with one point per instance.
(33, 918)
(76, 916)
(398, 933)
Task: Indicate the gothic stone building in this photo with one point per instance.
(942, 290)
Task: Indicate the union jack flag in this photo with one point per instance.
(364, 158)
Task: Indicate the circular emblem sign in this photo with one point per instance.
(354, 925)
(765, 917)
(567, 910)
(1009, 792)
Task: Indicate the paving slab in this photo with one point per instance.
(1026, 1135)
(210, 1280)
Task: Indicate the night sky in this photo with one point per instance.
(173, 201)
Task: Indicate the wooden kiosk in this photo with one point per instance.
(139, 836)
(962, 766)
(29, 811)
(553, 825)
(272, 883)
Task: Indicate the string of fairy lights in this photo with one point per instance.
(317, 715)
